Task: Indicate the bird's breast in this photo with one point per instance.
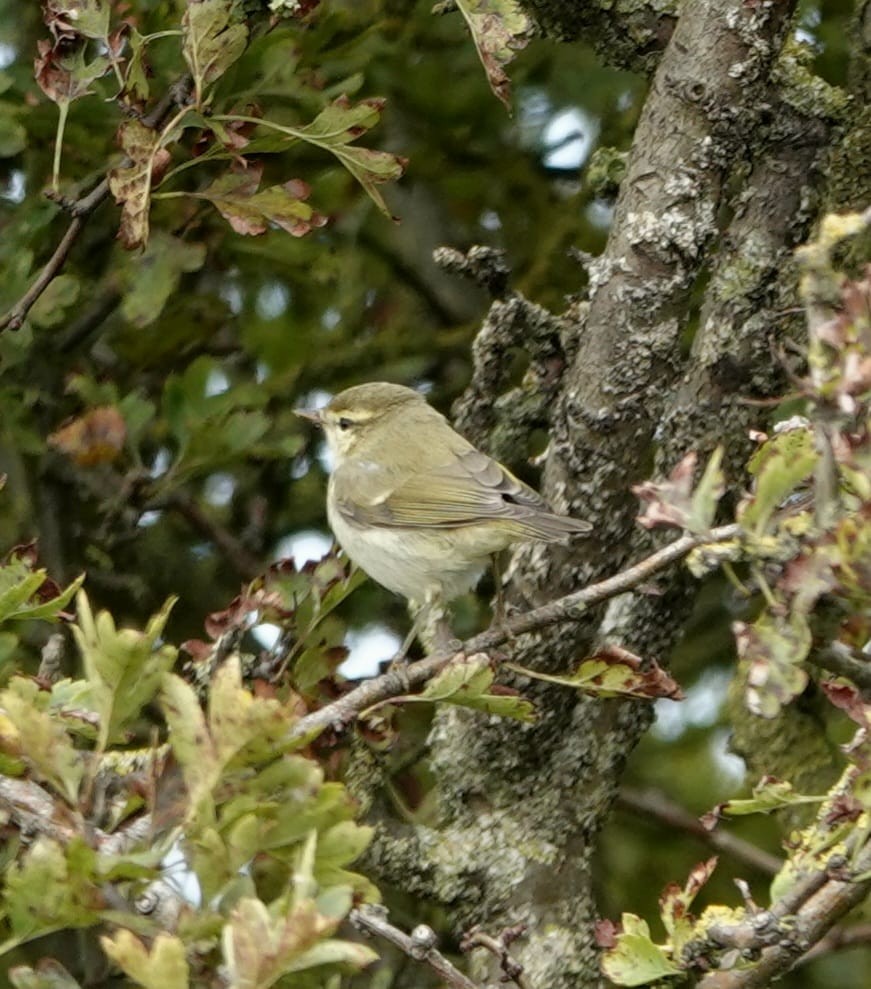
(416, 562)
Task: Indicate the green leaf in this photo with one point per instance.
(189, 737)
(138, 414)
(780, 466)
(242, 726)
(50, 308)
(635, 960)
(334, 128)
(259, 948)
(769, 794)
(250, 212)
(156, 275)
(124, 667)
(500, 28)
(164, 966)
(213, 37)
(13, 136)
(613, 672)
(467, 682)
(42, 741)
(337, 847)
(707, 494)
(51, 888)
(340, 123)
(774, 647)
(29, 595)
(89, 18)
(48, 974)
(136, 76)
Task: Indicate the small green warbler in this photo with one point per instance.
(414, 504)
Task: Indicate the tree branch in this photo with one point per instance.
(512, 970)
(570, 608)
(839, 659)
(811, 908)
(421, 945)
(652, 803)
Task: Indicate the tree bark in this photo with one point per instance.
(520, 806)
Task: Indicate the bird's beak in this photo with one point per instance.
(313, 415)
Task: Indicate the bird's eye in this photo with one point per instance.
(345, 423)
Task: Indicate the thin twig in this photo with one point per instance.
(572, 607)
(18, 313)
(839, 939)
(512, 970)
(653, 803)
(839, 659)
(419, 945)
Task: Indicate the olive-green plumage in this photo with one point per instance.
(413, 503)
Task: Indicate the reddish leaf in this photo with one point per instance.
(845, 696)
(605, 932)
(668, 502)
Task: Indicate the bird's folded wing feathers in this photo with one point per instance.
(473, 488)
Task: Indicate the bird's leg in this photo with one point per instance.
(408, 641)
(431, 625)
(499, 612)
(437, 634)
(499, 607)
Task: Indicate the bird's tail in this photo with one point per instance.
(548, 528)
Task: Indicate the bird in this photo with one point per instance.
(416, 506)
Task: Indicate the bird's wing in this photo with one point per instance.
(471, 488)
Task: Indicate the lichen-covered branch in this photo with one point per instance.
(419, 945)
(570, 608)
(629, 35)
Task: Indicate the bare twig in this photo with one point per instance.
(512, 970)
(652, 803)
(419, 945)
(17, 314)
(572, 607)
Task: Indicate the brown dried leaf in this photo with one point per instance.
(500, 28)
(131, 183)
(97, 437)
(65, 77)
